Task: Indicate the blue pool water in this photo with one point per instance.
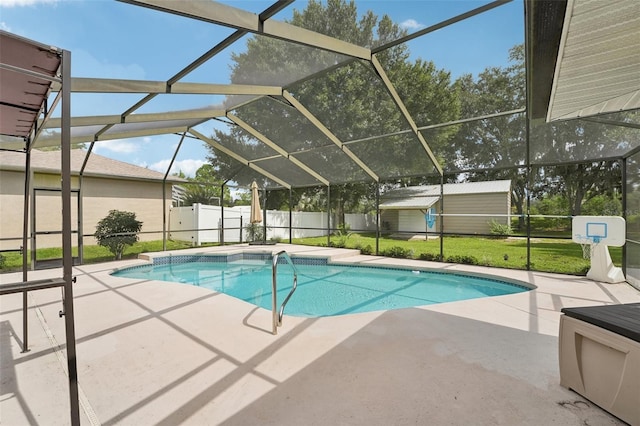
(323, 289)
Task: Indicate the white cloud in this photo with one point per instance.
(188, 167)
(411, 25)
(20, 3)
(4, 26)
(117, 145)
(87, 65)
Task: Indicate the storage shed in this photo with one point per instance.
(469, 207)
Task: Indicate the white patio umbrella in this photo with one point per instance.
(256, 212)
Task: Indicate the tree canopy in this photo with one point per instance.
(206, 188)
(350, 100)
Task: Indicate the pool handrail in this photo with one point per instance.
(277, 316)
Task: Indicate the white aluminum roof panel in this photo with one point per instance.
(598, 66)
(414, 203)
(421, 196)
(85, 134)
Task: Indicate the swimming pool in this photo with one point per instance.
(324, 289)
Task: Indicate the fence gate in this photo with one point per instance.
(46, 231)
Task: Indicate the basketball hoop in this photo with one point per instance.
(595, 234)
(587, 249)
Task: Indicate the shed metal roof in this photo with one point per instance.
(414, 203)
(424, 196)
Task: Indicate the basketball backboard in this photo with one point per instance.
(606, 230)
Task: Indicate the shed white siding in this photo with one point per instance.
(468, 207)
(411, 221)
(487, 206)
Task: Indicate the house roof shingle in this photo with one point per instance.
(97, 166)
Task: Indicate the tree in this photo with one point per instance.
(349, 99)
(580, 182)
(118, 230)
(207, 189)
(493, 148)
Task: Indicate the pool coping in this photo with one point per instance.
(350, 257)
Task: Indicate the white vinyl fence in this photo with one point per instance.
(203, 224)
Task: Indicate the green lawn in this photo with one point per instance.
(549, 255)
(92, 254)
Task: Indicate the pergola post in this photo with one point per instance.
(377, 218)
(222, 213)
(164, 193)
(25, 231)
(290, 214)
(67, 256)
(328, 215)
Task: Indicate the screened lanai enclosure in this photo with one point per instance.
(329, 106)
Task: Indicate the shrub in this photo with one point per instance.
(342, 233)
(254, 232)
(396, 251)
(430, 257)
(1, 261)
(602, 205)
(364, 249)
(467, 260)
(118, 230)
(499, 229)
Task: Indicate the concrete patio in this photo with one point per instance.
(152, 352)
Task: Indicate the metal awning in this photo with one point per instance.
(414, 203)
(27, 71)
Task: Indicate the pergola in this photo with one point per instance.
(582, 62)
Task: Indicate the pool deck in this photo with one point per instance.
(150, 352)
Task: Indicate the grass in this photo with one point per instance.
(548, 255)
(92, 254)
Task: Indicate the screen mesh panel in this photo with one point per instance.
(245, 144)
(480, 144)
(282, 124)
(288, 171)
(352, 101)
(582, 140)
(394, 156)
(244, 175)
(426, 91)
(286, 62)
(333, 164)
(633, 219)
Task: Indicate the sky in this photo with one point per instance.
(109, 39)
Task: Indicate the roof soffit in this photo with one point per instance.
(598, 64)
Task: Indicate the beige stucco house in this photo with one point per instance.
(403, 210)
(105, 185)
